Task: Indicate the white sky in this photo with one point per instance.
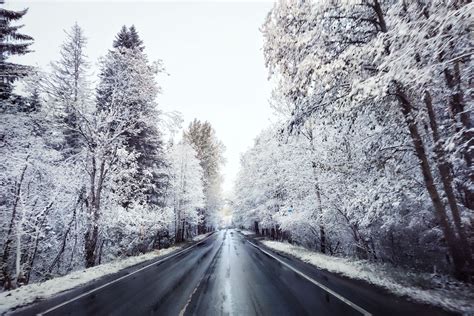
(212, 51)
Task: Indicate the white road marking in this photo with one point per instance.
(343, 299)
(183, 310)
(121, 278)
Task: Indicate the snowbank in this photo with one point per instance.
(246, 232)
(423, 287)
(200, 237)
(29, 293)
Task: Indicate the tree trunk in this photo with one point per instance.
(182, 230)
(90, 246)
(202, 224)
(177, 223)
(63, 243)
(18, 267)
(322, 243)
(157, 240)
(458, 111)
(380, 18)
(92, 233)
(322, 233)
(440, 212)
(446, 177)
(6, 280)
(101, 247)
(73, 251)
(37, 239)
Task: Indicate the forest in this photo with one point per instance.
(88, 174)
(371, 155)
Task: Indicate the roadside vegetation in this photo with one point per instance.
(371, 157)
(89, 167)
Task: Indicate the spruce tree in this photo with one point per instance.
(122, 39)
(69, 86)
(135, 41)
(128, 38)
(145, 138)
(11, 43)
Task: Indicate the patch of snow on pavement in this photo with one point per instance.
(29, 293)
(424, 287)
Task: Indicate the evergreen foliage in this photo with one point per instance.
(12, 42)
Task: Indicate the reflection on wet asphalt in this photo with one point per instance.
(241, 280)
(223, 275)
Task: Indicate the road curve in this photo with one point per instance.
(226, 274)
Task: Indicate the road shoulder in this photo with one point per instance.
(74, 284)
(373, 297)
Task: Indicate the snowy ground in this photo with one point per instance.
(29, 293)
(428, 288)
(200, 237)
(246, 232)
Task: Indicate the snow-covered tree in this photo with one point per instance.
(36, 189)
(128, 38)
(210, 150)
(84, 176)
(12, 42)
(145, 139)
(187, 189)
(376, 93)
(68, 87)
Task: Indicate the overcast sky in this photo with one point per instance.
(211, 50)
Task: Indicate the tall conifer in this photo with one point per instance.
(11, 43)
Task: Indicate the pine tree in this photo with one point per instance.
(122, 38)
(135, 40)
(145, 138)
(68, 85)
(11, 43)
(128, 38)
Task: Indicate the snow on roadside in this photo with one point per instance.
(29, 293)
(246, 232)
(423, 287)
(200, 237)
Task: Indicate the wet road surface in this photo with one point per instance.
(226, 274)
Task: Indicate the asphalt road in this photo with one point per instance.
(226, 274)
